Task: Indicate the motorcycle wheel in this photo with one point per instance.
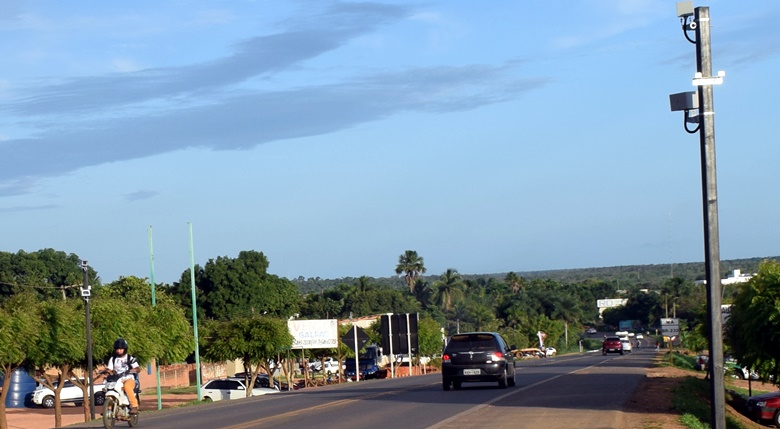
(133, 421)
(108, 413)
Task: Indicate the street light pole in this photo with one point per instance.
(703, 102)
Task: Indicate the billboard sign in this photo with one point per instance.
(314, 334)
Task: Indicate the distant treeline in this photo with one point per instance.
(624, 277)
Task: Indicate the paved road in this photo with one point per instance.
(579, 391)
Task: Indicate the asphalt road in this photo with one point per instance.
(573, 391)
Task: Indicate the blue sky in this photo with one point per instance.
(332, 136)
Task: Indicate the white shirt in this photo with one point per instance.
(122, 365)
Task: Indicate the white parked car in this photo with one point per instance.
(550, 351)
(591, 331)
(70, 394)
(329, 366)
(230, 388)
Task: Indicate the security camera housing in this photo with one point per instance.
(684, 8)
(684, 101)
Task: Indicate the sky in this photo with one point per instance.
(332, 136)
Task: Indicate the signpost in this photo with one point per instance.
(671, 328)
(355, 338)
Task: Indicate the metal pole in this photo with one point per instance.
(90, 389)
(194, 314)
(409, 343)
(390, 334)
(154, 304)
(710, 202)
(357, 357)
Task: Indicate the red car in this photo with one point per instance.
(765, 407)
(612, 345)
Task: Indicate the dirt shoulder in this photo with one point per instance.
(651, 406)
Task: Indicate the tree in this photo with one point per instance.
(50, 273)
(412, 266)
(240, 287)
(515, 282)
(753, 328)
(429, 338)
(62, 345)
(19, 335)
(255, 339)
(448, 288)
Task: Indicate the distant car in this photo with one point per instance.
(528, 353)
(331, 367)
(611, 345)
(591, 331)
(735, 369)
(765, 407)
(230, 388)
(477, 357)
(550, 351)
(626, 344)
(368, 369)
(70, 394)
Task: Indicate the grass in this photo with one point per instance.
(692, 396)
(172, 390)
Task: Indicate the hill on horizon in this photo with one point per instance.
(649, 276)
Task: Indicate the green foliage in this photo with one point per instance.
(429, 337)
(448, 288)
(255, 339)
(412, 266)
(691, 399)
(47, 272)
(753, 329)
(20, 329)
(240, 287)
(134, 289)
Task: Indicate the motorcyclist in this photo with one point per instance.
(126, 366)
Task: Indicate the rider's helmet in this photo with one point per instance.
(120, 344)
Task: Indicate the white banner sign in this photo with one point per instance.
(314, 334)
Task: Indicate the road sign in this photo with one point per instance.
(670, 327)
(349, 338)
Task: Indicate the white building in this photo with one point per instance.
(735, 277)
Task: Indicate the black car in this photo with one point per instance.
(368, 368)
(477, 357)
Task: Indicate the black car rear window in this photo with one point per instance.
(472, 342)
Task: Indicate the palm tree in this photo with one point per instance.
(363, 284)
(412, 265)
(514, 281)
(448, 288)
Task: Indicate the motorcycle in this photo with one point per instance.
(116, 405)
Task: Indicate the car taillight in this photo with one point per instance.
(445, 358)
(497, 356)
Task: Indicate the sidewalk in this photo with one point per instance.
(43, 418)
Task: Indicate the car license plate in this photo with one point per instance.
(471, 371)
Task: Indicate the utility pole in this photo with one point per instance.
(711, 234)
(698, 20)
(85, 293)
